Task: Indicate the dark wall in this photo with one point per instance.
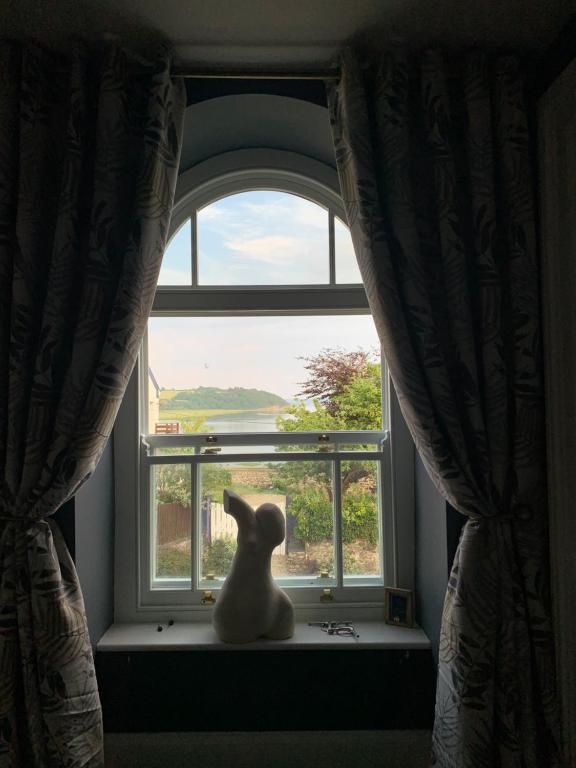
(266, 691)
(94, 545)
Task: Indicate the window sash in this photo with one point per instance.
(207, 188)
(261, 300)
(202, 439)
(189, 591)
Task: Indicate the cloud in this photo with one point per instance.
(211, 212)
(270, 249)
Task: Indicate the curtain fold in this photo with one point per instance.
(89, 152)
(435, 169)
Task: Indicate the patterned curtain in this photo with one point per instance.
(435, 169)
(89, 152)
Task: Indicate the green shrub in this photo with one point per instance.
(350, 564)
(312, 508)
(215, 479)
(218, 555)
(359, 517)
(313, 512)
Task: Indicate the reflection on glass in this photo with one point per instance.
(246, 374)
(302, 490)
(360, 520)
(177, 263)
(171, 516)
(346, 264)
(262, 238)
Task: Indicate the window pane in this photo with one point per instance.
(171, 503)
(248, 374)
(302, 491)
(262, 238)
(177, 263)
(360, 521)
(346, 264)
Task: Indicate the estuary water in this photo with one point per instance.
(248, 421)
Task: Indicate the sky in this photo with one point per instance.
(260, 238)
(259, 352)
(257, 238)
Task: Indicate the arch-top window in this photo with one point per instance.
(261, 372)
(260, 237)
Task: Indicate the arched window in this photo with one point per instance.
(261, 236)
(261, 372)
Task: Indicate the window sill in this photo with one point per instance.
(201, 637)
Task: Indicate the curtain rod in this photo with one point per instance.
(190, 73)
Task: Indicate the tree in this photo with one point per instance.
(331, 371)
(348, 391)
(173, 482)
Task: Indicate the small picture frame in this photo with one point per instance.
(399, 607)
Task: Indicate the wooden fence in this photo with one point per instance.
(222, 524)
(173, 521)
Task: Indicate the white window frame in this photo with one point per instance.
(134, 599)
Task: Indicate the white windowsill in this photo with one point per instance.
(200, 636)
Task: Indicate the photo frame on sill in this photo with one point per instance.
(399, 607)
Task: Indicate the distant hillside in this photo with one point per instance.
(210, 398)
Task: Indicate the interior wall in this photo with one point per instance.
(253, 121)
(431, 554)
(94, 545)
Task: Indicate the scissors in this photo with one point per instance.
(335, 627)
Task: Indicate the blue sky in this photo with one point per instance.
(260, 238)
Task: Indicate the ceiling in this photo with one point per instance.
(292, 32)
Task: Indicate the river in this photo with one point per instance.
(248, 421)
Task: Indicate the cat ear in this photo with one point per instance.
(240, 510)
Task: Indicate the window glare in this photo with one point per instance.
(176, 264)
(346, 264)
(263, 238)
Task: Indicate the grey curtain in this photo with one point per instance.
(435, 169)
(89, 151)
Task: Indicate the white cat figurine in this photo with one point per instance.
(250, 604)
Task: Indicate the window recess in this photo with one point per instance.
(258, 273)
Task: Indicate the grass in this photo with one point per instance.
(359, 558)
